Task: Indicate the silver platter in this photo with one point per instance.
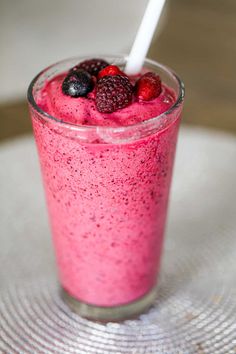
(195, 310)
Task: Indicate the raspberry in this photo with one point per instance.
(110, 70)
(92, 66)
(77, 83)
(148, 87)
(113, 93)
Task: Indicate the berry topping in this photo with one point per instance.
(113, 93)
(92, 66)
(78, 83)
(148, 87)
(110, 70)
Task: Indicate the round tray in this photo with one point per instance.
(195, 310)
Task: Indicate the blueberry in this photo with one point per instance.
(77, 83)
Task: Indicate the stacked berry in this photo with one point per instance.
(112, 87)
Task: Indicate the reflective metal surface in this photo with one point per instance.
(195, 310)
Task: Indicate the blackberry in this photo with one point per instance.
(113, 93)
(92, 66)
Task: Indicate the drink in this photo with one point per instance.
(107, 191)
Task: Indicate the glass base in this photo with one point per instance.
(110, 314)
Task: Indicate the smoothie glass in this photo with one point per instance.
(107, 195)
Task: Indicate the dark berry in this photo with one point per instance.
(148, 87)
(78, 83)
(113, 93)
(92, 66)
(110, 70)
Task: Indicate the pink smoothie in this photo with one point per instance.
(107, 201)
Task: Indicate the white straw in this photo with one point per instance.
(144, 36)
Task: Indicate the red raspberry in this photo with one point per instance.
(113, 93)
(110, 70)
(92, 66)
(148, 87)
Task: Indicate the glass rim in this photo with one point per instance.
(77, 127)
